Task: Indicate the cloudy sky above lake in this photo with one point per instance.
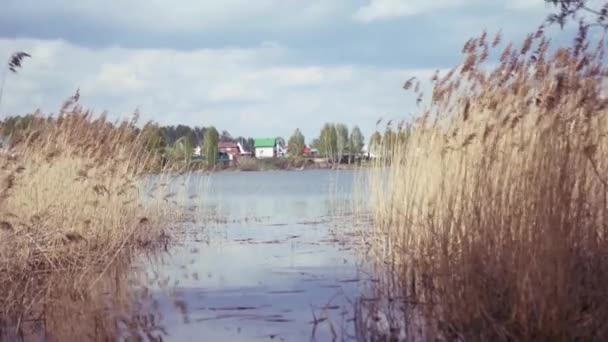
(255, 68)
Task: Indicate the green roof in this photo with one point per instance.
(265, 142)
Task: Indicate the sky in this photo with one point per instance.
(255, 68)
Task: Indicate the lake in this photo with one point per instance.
(264, 263)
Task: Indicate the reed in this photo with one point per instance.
(72, 205)
(493, 213)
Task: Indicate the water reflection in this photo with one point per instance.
(273, 269)
(81, 306)
(257, 260)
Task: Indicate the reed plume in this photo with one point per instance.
(494, 211)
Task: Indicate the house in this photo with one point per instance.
(369, 153)
(242, 150)
(231, 149)
(265, 148)
(306, 150)
(313, 152)
(281, 148)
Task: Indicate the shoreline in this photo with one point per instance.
(271, 167)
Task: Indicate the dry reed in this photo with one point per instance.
(494, 212)
(71, 207)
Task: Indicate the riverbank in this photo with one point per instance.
(271, 164)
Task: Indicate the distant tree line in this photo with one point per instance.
(178, 142)
(175, 142)
(382, 145)
(333, 143)
(195, 136)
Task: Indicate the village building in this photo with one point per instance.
(369, 153)
(232, 149)
(265, 148)
(307, 151)
(229, 148)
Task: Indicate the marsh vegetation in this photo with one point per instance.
(490, 217)
(71, 210)
(485, 218)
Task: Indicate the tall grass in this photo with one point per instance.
(493, 214)
(72, 206)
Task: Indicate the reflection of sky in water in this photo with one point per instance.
(264, 279)
(280, 195)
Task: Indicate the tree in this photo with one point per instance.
(341, 140)
(183, 131)
(153, 143)
(152, 138)
(296, 143)
(226, 137)
(210, 145)
(316, 144)
(250, 145)
(243, 141)
(183, 148)
(356, 142)
(328, 141)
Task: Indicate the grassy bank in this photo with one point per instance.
(493, 215)
(253, 164)
(71, 206)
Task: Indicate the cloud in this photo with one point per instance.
(525, 5)
(390, 9)
(247, 91)
(253, 68)
(177, 16)
(321, 32)
(386, 9)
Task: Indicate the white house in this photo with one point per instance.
(265, 148)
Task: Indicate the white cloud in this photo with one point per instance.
(389, 9)
(386, 9)
(525, 5)
(248, 91)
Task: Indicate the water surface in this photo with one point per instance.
(265, 265)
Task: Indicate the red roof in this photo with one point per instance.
(227, 144)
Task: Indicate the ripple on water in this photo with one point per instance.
(284, 277)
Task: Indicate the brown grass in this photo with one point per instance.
(71, 206)
(494, 213)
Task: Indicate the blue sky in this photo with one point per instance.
(255, 68)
